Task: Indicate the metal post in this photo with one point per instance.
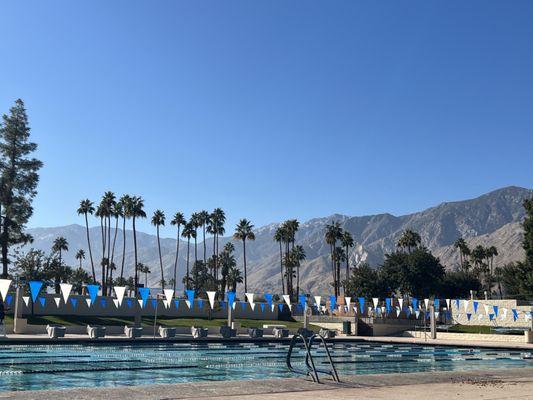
(230, 315)
(433, 322)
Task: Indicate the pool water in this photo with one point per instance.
(31, 367)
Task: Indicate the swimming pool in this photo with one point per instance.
(30, 367)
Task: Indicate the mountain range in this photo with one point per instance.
(491, 219)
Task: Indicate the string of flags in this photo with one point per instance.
(462, 308)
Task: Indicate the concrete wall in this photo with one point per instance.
(473, 337)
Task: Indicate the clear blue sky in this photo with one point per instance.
(272, 109)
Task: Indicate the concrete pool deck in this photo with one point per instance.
(513, 383)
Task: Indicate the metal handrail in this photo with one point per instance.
(311, 371)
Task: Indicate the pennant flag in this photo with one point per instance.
(332, 300)
(144, 292)
(190, 305)
(140, 301)
(398, 311)
(417, 314)
(303, 300)
(486, 309)
(457, 302)
(515, 314)
(448, 303)
(231, 298)
(375, 301)
(466, 303)
(200, 304)
(211, 296)
(190, 296)
(35, 288)
(287, 299)
(57, 301)
(436, 314)
(129, 303)
(252, 306)
(504, 314)
(400, 303)
(415, 303)
(348, 301)
(496, 309)
(9, 299)
(388, 305)
(223, 305)
(428, 316)
(317, 301)
(475, 304)
(468, 316)
(117, 305)
(408, 311)
(436, 303)
(103, 303)
(426, 303)
(362, 304)
(26, 300)
(93, 292)
(154, 303)
(177, 303)
(42, 300)
(491, 317)
(4, 287)
(268, 298)
(120, 291)
(65, 291)
(243, 305)
(280, 306)
(169, 295)
(262, 307)
(249, 297)
(74, 302)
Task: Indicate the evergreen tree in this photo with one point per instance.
(18, 180)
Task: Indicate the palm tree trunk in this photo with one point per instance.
(89, 246)
(281, 268)
(187, 276)
(195, 249)
(244, 258)
(176, 261)
(203, 227)
(160, 260)
(135, 255)
(123, 247)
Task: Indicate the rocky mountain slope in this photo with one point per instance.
(491, 219)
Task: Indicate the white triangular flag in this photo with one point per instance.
(117, 305)
(65, 291)
(417, 313)
(466, 303)
(252, 305)
(400, 302)
(398, 311)
(426, 302)
(140, 302)
(4, 287)
(57, 300)
(448, 303)
(287, 299)
(486, 309)
(273, 306)
(189, 304)
(348, 301)
(88, 301)
(211, 297)
(234, 305)
(120, 291)
(317, 300)
(169, 294)
(26, 300)
(436, 314)
(250, 297)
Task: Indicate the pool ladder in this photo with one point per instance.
(308, 338)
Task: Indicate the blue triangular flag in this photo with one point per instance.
(9, 299)
(362, 304)
(476, 305)
(496, 309)
(35, 287)
(415, 303)
(243, 305)
(332, 301)
(468, 316)
(303, 300)
(190, 296)
(222, 304)
(280, 307)
(457, 301)
(42, 300)
(177, 303)
(231, 298)
(515, 314)
(268, 298)
(388, 304)
(129, 303)
(154, 303)
(200, 303)
(93, 292)
(491, 317)
(103, 303)
(407, 311)
(436, 302)
(74, 302)
(144, 292)
(262, 307)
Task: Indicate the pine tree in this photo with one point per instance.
(18, 180)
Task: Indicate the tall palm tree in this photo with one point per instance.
(177, 221)
(234, 277)
(278, 237)
(137, 211)
(298, 255)
(347, 242)
(117, 212)
(188, 232)
(158, 219)
(144, 269)
(126, 204)
(244, 232)
(332, 235)
(80, 256)
(461, 245)
(409, 240)
(60, 245)
(490, 253)
(215, 227)
(195, 223)
(203, 219)
(86, 208)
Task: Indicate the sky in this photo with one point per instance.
(271, 109)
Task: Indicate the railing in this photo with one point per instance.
(311, 370)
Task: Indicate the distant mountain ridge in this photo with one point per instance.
(491, 219)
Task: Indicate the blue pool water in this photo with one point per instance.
(30, 367)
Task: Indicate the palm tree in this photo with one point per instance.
(126, 204)
(60, 245)
(278, 237)
(80, 256)
(203, 219)
(461, 245)
(244, 232)
(347, 242)
(188, 232)
(144, 269)
(234, 277)
(117, 211)
(333, 233)
(409, 240)
(339, 256)
(298, 254)
(86, 208)
(137, 211)
(215, 227)
(490, 253)
(158, 219)
(196, 223)
(177, 221)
